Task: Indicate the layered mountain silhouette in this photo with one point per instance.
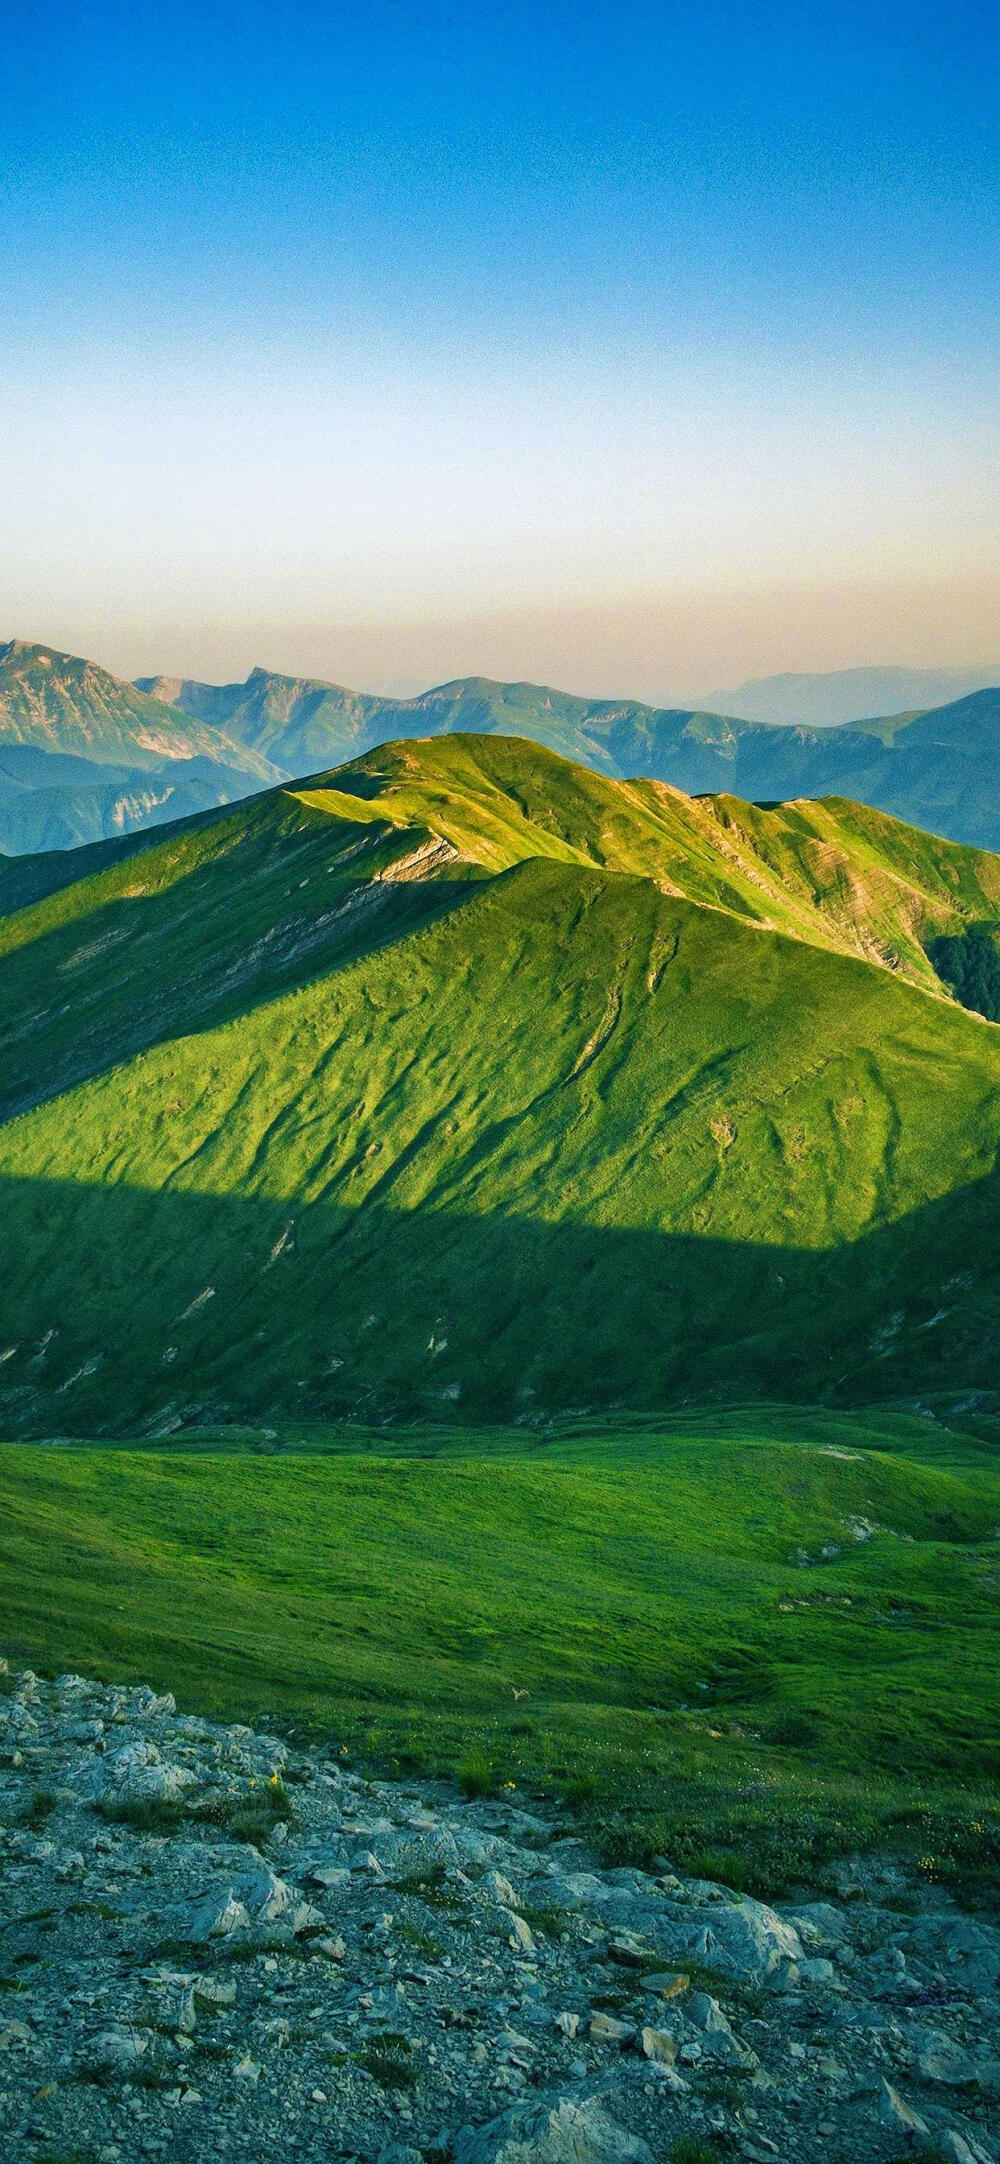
(462, 1081)
(938, 769)
(838, 695)
(168, 746)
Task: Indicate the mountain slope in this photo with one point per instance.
(415, 1089)
(60, 702)
(294, 721)
(84, 755)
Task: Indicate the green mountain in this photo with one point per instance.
(468, 1083)
(168, 748)
(939, 769)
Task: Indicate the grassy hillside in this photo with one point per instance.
(427, 1089)
(685, 1627)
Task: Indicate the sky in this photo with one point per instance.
(641, 348)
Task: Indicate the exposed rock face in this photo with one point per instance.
(210, 1947)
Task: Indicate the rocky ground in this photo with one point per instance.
(214, 1946)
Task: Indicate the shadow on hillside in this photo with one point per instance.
(121, 1307)
(263, 918)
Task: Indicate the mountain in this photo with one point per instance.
(52, 800)
(939, 770)
(840, 695)
(464, 1081)
(293, 721)
(169, 747)
(84, 755)
(60, 702)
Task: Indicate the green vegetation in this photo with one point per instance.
(394, 1163)
(653, 1611)
(115, 755)
(937, 769)
(251, 1817)
(428, 1093)
(970, 963)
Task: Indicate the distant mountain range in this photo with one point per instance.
(85, 756)
(938, 769)
(823, 701)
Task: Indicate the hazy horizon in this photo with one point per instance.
(661, 651)
(642, 352)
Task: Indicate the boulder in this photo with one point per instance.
(749, 1941)
(135, 1773)
(568, 2130)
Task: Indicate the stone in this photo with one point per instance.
(894, 2111)
(136, 1773)
(217, 1916)
(605, 2029)
(748, 1941)
(116, 2051)
(659, 2044)
(961, 2150)
(941, 2059)
(667, 1983)
(567, 2131)
(519, 1930)
(543, 2051)
(630, 1951)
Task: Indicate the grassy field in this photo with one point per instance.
(745, 1639)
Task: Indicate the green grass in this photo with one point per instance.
(617, 1609)
(287, 1135)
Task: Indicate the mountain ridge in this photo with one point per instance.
(929, 769)
(425, 1086)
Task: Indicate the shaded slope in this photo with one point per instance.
(571, 1142)
(163, 934)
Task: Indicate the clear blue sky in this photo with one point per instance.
(386, 313)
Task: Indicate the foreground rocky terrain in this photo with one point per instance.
(215, 1945)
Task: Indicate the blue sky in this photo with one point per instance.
(409, 315)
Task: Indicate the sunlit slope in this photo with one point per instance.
(564, 1139)
(834, 872)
